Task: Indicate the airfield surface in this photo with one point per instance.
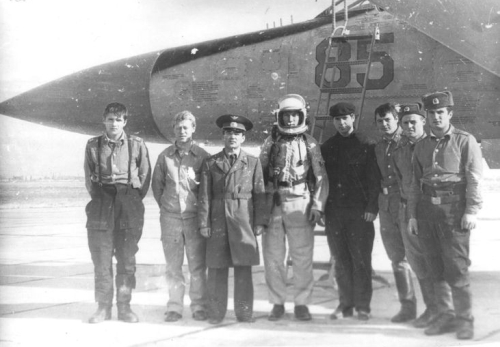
(46, 286)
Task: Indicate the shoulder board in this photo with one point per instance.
(93, 139)
(135, 138)
(215, 156)
(461, 132)
(250, 155)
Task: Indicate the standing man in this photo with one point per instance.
(176, 178)
(350, 211)
(297, 181)
(444, 201)
(412, 118)
(386, 118)
(231, 213)
(117, 176)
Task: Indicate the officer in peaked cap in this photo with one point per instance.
(231, 214)
(229, 121)
(442, 208)
(437, 100)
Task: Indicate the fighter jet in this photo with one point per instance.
(419, 47)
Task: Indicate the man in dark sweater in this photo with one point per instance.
(350, 211)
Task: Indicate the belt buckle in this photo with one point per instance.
(385, 191)
(436, 200)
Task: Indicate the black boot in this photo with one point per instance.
(124, 285)
(462, 300)
(431, 310)
(406, 293)
(103, 313)
(125, 314)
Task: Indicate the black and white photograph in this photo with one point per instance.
(249, 173)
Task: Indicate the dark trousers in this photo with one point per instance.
(114, 241)
(350, 239)
(217, 285)
(446, 249)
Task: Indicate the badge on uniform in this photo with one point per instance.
(385, 191)
(436, 200)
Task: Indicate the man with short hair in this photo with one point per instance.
(443, 203)
(386, 118)
(298, 185)
(350, 211)
(231, 214)
(175, 183)
(117, 176)
(412, 118)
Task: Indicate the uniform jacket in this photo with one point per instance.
(114, 162)
(390, 195)
(403, 167)
(176, 181)
(231, 201)
(352, 172)
(454, 159)
(295, 159)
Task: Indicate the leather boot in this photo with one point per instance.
(123, 298)
(103, 313)
(431, 311)
(462, 300)
(442, 297)
(465, 329)
(406, 293)
(125, 314)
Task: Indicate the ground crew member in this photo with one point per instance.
(444, 201)
(297, 182)
(231, 213)
(350, 210)
(386, 118)
(117, 176)
(412, 119)
(175, 183)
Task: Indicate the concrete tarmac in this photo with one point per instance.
(46, 293)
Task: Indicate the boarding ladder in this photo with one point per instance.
(327, 91)
(339, 35)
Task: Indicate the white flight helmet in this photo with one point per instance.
(292, 102)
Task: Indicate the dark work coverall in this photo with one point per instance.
(354, 186)
(117, 177)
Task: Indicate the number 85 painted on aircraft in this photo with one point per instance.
(246, 74)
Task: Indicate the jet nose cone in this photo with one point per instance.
(76, 102)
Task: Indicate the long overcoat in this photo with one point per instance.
(231, 201)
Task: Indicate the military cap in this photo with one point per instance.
(437, 100)
(229, 121)
(406, 109)
(342, 109)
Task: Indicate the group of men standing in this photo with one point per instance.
(213, 207)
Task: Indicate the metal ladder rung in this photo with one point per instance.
(354, 62)
(353, 90)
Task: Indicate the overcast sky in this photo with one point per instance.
(41, 41)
